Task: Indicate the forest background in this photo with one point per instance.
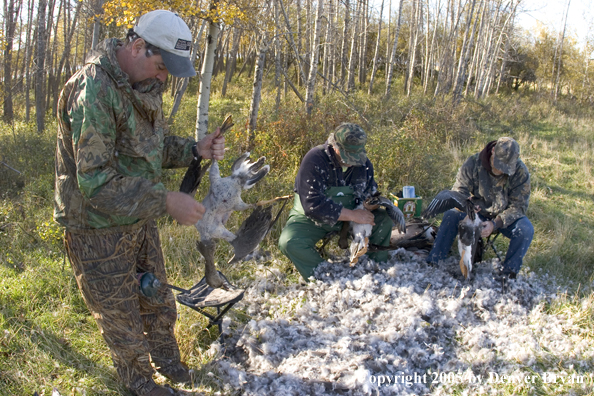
(430, 81)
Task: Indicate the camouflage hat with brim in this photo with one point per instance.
(350, 141)
(505, 155)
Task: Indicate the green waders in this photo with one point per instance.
(300, 235)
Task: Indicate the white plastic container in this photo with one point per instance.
(408, 192)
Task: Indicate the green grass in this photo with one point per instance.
(47, 336)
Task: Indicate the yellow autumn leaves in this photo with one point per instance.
(125, 13)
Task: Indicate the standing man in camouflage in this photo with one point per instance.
(113, 143)
(333, 179)
(498, 182)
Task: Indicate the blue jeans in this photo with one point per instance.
(520, 234)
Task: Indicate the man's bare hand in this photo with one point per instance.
(487, 228)
(183, 208)
(361, 216)
(212, 146)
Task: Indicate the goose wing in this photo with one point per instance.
(193, 177)
(253, 230)
(394, 213)
(446, 200)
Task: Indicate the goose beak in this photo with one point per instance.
(362, 250)
(463, 266)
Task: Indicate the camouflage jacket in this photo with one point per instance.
(112, 146)
(502, 198)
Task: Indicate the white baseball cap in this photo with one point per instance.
(169, 32)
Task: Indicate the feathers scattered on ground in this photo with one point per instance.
(343, 332)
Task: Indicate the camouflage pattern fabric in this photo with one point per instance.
(350, 140)
(506, 154)
(499, 197)
(112, 145)
(106, 267)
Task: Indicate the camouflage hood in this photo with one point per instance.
(112, 146)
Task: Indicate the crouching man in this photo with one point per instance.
(498, 183)
(332, 180)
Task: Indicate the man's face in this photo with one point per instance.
(143, 67)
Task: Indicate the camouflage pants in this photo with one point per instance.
(134, 326)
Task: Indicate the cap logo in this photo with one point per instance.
(183, 45)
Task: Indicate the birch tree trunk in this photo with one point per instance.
(495, 54)
(412, 50)
(301, 80)
(448, 57)
(289, 35)
(40, 66)
(430, 64)
(183, 85)
(205, 78)
(464, 53)
(19, 66)
(393, 56)
(51, 55)
(561, 52)
(220, 55)
(231, 62)
(344, 46)
(97, 23)
(377, 49)
(257, 92)
(329, 47)
(313, 71)
(353, 56)
(363, 42)
(69, 33)
(28, 54)
(11, 15)
(277, 55)
(504, 60)
(308, 46)
(477, 48)
(388, 36)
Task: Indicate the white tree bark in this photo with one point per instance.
(205, 80)
(561, 52)
(412, 50)
(377, 49)
(40, 67)
(353, 55)
(257, 91)
(393, 56)
(185, 81)
(313, 70)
